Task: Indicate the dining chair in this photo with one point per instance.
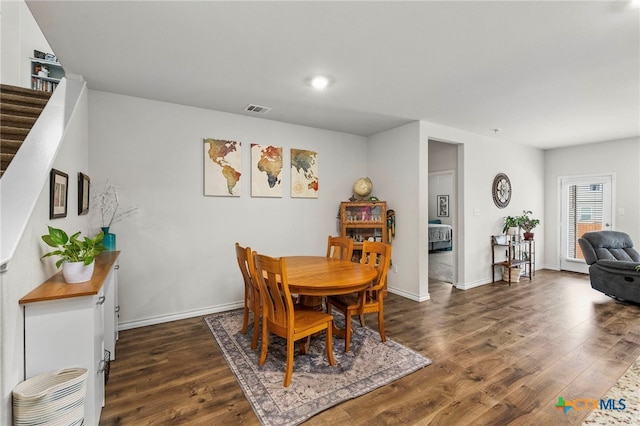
(284, 318)
(251, 293)
(376, 255)
(340, 247)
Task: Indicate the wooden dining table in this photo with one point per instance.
(312, 277)
(325, 276)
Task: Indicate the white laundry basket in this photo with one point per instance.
(55, 398)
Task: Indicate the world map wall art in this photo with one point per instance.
(223, 170)
(266, 171)
(304, 173)
(222, 165)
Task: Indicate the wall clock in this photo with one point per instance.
(501, 190)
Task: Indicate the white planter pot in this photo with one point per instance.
(77, 272)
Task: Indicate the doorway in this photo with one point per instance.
(442, 213)
(586, 205)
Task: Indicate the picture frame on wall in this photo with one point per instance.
(84, 183)
(59, 190)
(443, 205)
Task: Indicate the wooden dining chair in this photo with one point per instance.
(251, 293)
(377, 255)
(281, 316)
(340, 247)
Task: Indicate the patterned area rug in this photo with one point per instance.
(315, 386)
(628, 388)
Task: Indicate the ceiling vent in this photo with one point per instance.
(257, 109)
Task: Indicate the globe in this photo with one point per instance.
(362, 187)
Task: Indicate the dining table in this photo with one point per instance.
(325, 276)
(314, 277)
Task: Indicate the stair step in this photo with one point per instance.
(15, 90)
(20, 110)
(22, 100)
(7, 132)
(5, 159)
(16, 121)
(9, 146)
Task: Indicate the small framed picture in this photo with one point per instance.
(443, 206)
(58, 194)
(83, 193)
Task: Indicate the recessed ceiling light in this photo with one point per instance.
(319, 82)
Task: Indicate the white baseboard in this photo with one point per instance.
(410, 296)
(178, 316)
(467, 286)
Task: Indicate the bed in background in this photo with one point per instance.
(440, 235)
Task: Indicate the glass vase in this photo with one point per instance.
(109, 240)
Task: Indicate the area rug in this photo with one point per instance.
(315, 386)
(628, 388)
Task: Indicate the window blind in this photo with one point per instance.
(585, 214)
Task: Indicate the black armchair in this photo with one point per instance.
(612, 261)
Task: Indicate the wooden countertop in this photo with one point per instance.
(56, 288)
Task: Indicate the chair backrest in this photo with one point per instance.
(340, 247)
(245, 262)
(608, 245)
(271, 274)
(377, 255)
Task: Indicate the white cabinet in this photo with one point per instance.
(111, 309)
(71, 325)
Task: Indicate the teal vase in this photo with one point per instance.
(109, 240)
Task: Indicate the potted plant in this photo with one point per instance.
(77, 256)
(511, 223)
(524, 222)
(527, 224)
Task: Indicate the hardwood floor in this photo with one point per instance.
(503, 355)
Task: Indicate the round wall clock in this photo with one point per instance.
(501, 190)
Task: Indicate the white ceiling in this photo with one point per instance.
(548, 73)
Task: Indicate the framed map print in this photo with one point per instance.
(304, 173)
(266, 171)
(222, 165)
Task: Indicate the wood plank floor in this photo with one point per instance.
(503, 355)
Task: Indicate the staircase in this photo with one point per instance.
(19, 110)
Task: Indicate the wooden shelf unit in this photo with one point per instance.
(363, 220)
(518, 253)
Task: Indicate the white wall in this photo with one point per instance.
(441, 183)
(481, 158)
(621, 157)
(177, 249)
(394, 158)
(443, 162)
(20, 35)
(26, 269)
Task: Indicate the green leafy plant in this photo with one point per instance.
(511, 222)
(524, 221)
(72, 249)
(527, 223)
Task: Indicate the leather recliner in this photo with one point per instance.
(612, 261)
